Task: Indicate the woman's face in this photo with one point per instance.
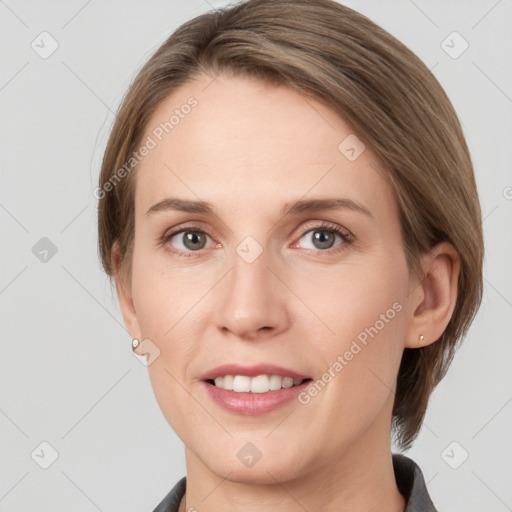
(263, 282)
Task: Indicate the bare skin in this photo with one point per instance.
(248, 148)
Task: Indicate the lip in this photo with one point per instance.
(252, 404)
(251, 371)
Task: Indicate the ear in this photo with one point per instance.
(434, 296)
(124, 295)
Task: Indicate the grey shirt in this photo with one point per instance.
(408, 475)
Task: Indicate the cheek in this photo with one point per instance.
(357, 366)
(364, 314)
(359, 300)
(164, 295)
(169, 311)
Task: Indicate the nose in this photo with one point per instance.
(252, 300)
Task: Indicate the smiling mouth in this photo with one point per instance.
(258, 384)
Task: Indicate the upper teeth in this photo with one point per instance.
(259, 384)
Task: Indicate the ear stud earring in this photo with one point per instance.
(135, 343)
(421, 338)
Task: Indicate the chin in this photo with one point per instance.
(272, 465)
(267, 474)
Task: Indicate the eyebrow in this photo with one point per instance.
(290, 208)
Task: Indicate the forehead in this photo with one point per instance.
(234, 139)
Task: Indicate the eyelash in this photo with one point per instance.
(347, 238)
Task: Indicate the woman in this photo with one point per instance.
(288, 209)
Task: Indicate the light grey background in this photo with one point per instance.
(68, 376)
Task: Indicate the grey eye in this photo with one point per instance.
(190, 240)
(321, 238)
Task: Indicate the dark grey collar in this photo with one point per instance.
(410, 482)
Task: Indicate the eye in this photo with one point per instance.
(323, 238)
(186, 240)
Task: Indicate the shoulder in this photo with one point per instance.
(171, 502)
(411, 483)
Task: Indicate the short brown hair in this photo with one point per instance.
(379, 87)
